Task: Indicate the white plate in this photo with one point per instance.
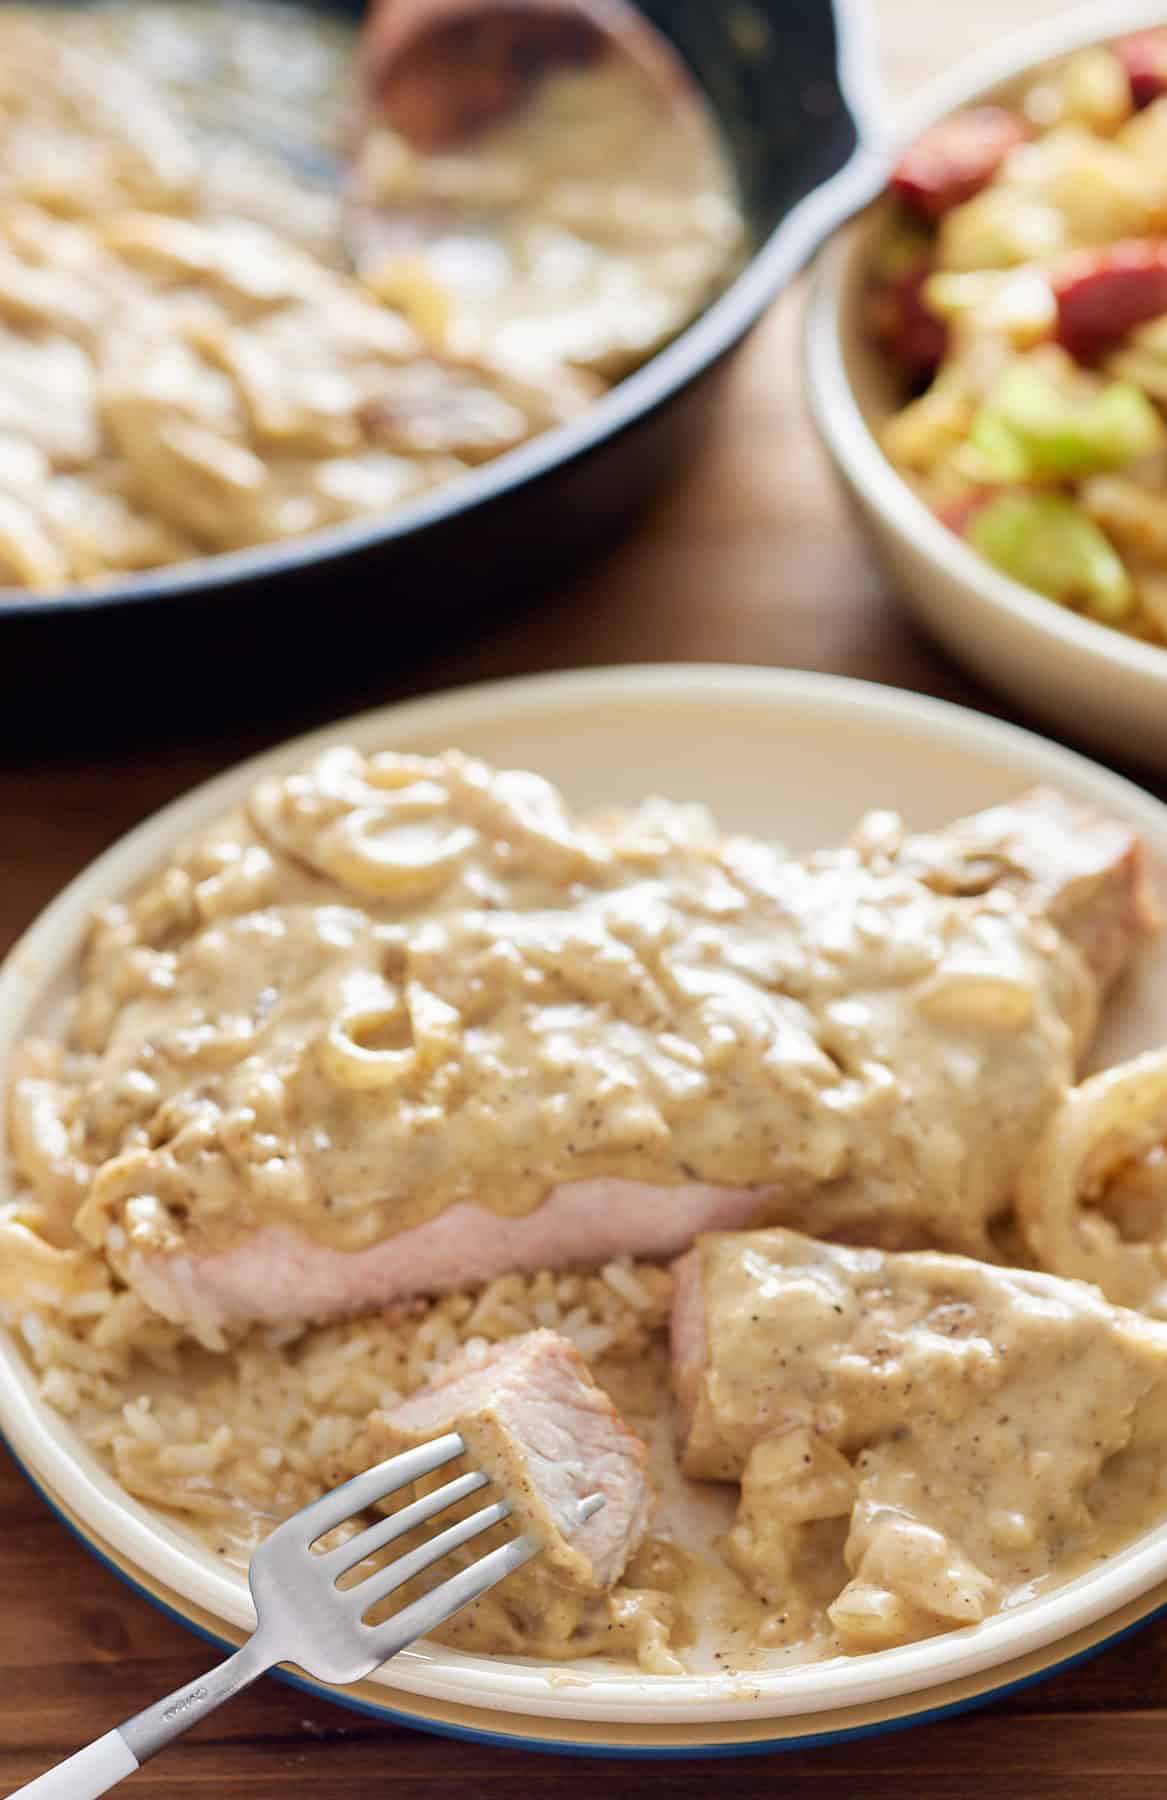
(1091, 682)
(788, 755)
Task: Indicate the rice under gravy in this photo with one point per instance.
(238, 1440)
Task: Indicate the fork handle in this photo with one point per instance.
(102, 1765)
(92, 1771)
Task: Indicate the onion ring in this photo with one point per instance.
(1109, 1121)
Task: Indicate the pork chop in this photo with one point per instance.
(535, 1421)
(401, 1024)
(1086, 871)
(937, 1432)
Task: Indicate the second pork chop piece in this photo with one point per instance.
(402, 1024)
(1084, 870)
(535, 1421)
(920, 1438)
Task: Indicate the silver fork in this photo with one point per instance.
(304, 1618)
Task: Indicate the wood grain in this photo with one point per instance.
(751, 558)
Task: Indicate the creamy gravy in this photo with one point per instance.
(391, 984)
(921, 1439)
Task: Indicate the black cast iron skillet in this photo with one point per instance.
(267, 632)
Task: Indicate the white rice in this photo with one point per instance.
(235, 1441)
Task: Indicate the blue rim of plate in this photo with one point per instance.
(162, 1601)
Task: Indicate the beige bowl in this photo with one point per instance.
(1089, 681)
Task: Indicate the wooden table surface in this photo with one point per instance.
(751, 558)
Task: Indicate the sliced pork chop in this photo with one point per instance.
(536, 1422)
(277, 1275)
(402, 1025)
(918, 1437)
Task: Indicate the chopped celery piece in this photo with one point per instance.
(1000, 454)
(1048, 543)
(1032, 427)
